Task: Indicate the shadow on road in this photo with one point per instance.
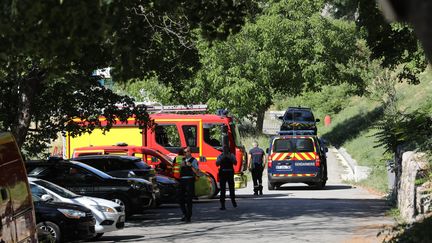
(308, 188)
(267, 207)
(123, 238)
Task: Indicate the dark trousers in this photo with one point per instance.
(186, 193)
(257, 172)
(224, 177)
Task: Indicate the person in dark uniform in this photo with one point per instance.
(188, 171)
(256, 164)
(226, 162)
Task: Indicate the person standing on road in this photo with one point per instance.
(226, 162)
(256, 164)
(188, 171)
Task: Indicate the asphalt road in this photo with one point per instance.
(294, 213)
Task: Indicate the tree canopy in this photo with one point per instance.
(393, 44)
(50, 48)
(289, 48)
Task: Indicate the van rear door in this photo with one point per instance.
(18, 222)
(295, 155)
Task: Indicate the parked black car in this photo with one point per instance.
(64, 221)
(130, 166)
(133, 193)
(299, 118)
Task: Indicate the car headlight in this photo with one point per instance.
(143, 184)
(70, 213)
(135, 185)
(104, 209)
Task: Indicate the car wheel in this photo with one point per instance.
(320, 185)
(52, 229)
(122, 202)
(271, 186)
(97, 236)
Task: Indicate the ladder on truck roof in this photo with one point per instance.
(175, 108)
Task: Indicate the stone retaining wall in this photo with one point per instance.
(413, 200)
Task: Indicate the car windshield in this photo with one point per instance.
(299, 116)
(235, 132)
(93, 170)
(38, 171)
(36, 198)
(56, 189)
(293, 145)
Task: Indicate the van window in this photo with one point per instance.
(283, 145)
(213, 135)
(190, 134)
(167, 135)
(299, 116)
(304, 145)
(293, 145)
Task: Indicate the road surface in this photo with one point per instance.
(294, 213)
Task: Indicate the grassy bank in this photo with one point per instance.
(353, 128)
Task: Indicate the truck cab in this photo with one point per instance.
(203, 133)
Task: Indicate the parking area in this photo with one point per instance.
(294, 213)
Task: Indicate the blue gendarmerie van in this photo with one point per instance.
(297, 159)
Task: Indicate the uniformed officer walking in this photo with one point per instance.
(256, 164)
(226, 162)
(188, 171)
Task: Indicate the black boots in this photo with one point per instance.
(258, 190)
(222, 206)
(234, 203)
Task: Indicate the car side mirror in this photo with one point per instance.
(47, 198)
(326, 149)
(280, 117)
(317, 120)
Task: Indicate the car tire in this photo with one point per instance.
(320, 185)
(122, 201)
(97, 236)
(52, 229)
(271, 186)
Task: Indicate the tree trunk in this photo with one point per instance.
(260, 121)
(27, 94)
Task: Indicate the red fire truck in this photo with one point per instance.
(203, 133)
